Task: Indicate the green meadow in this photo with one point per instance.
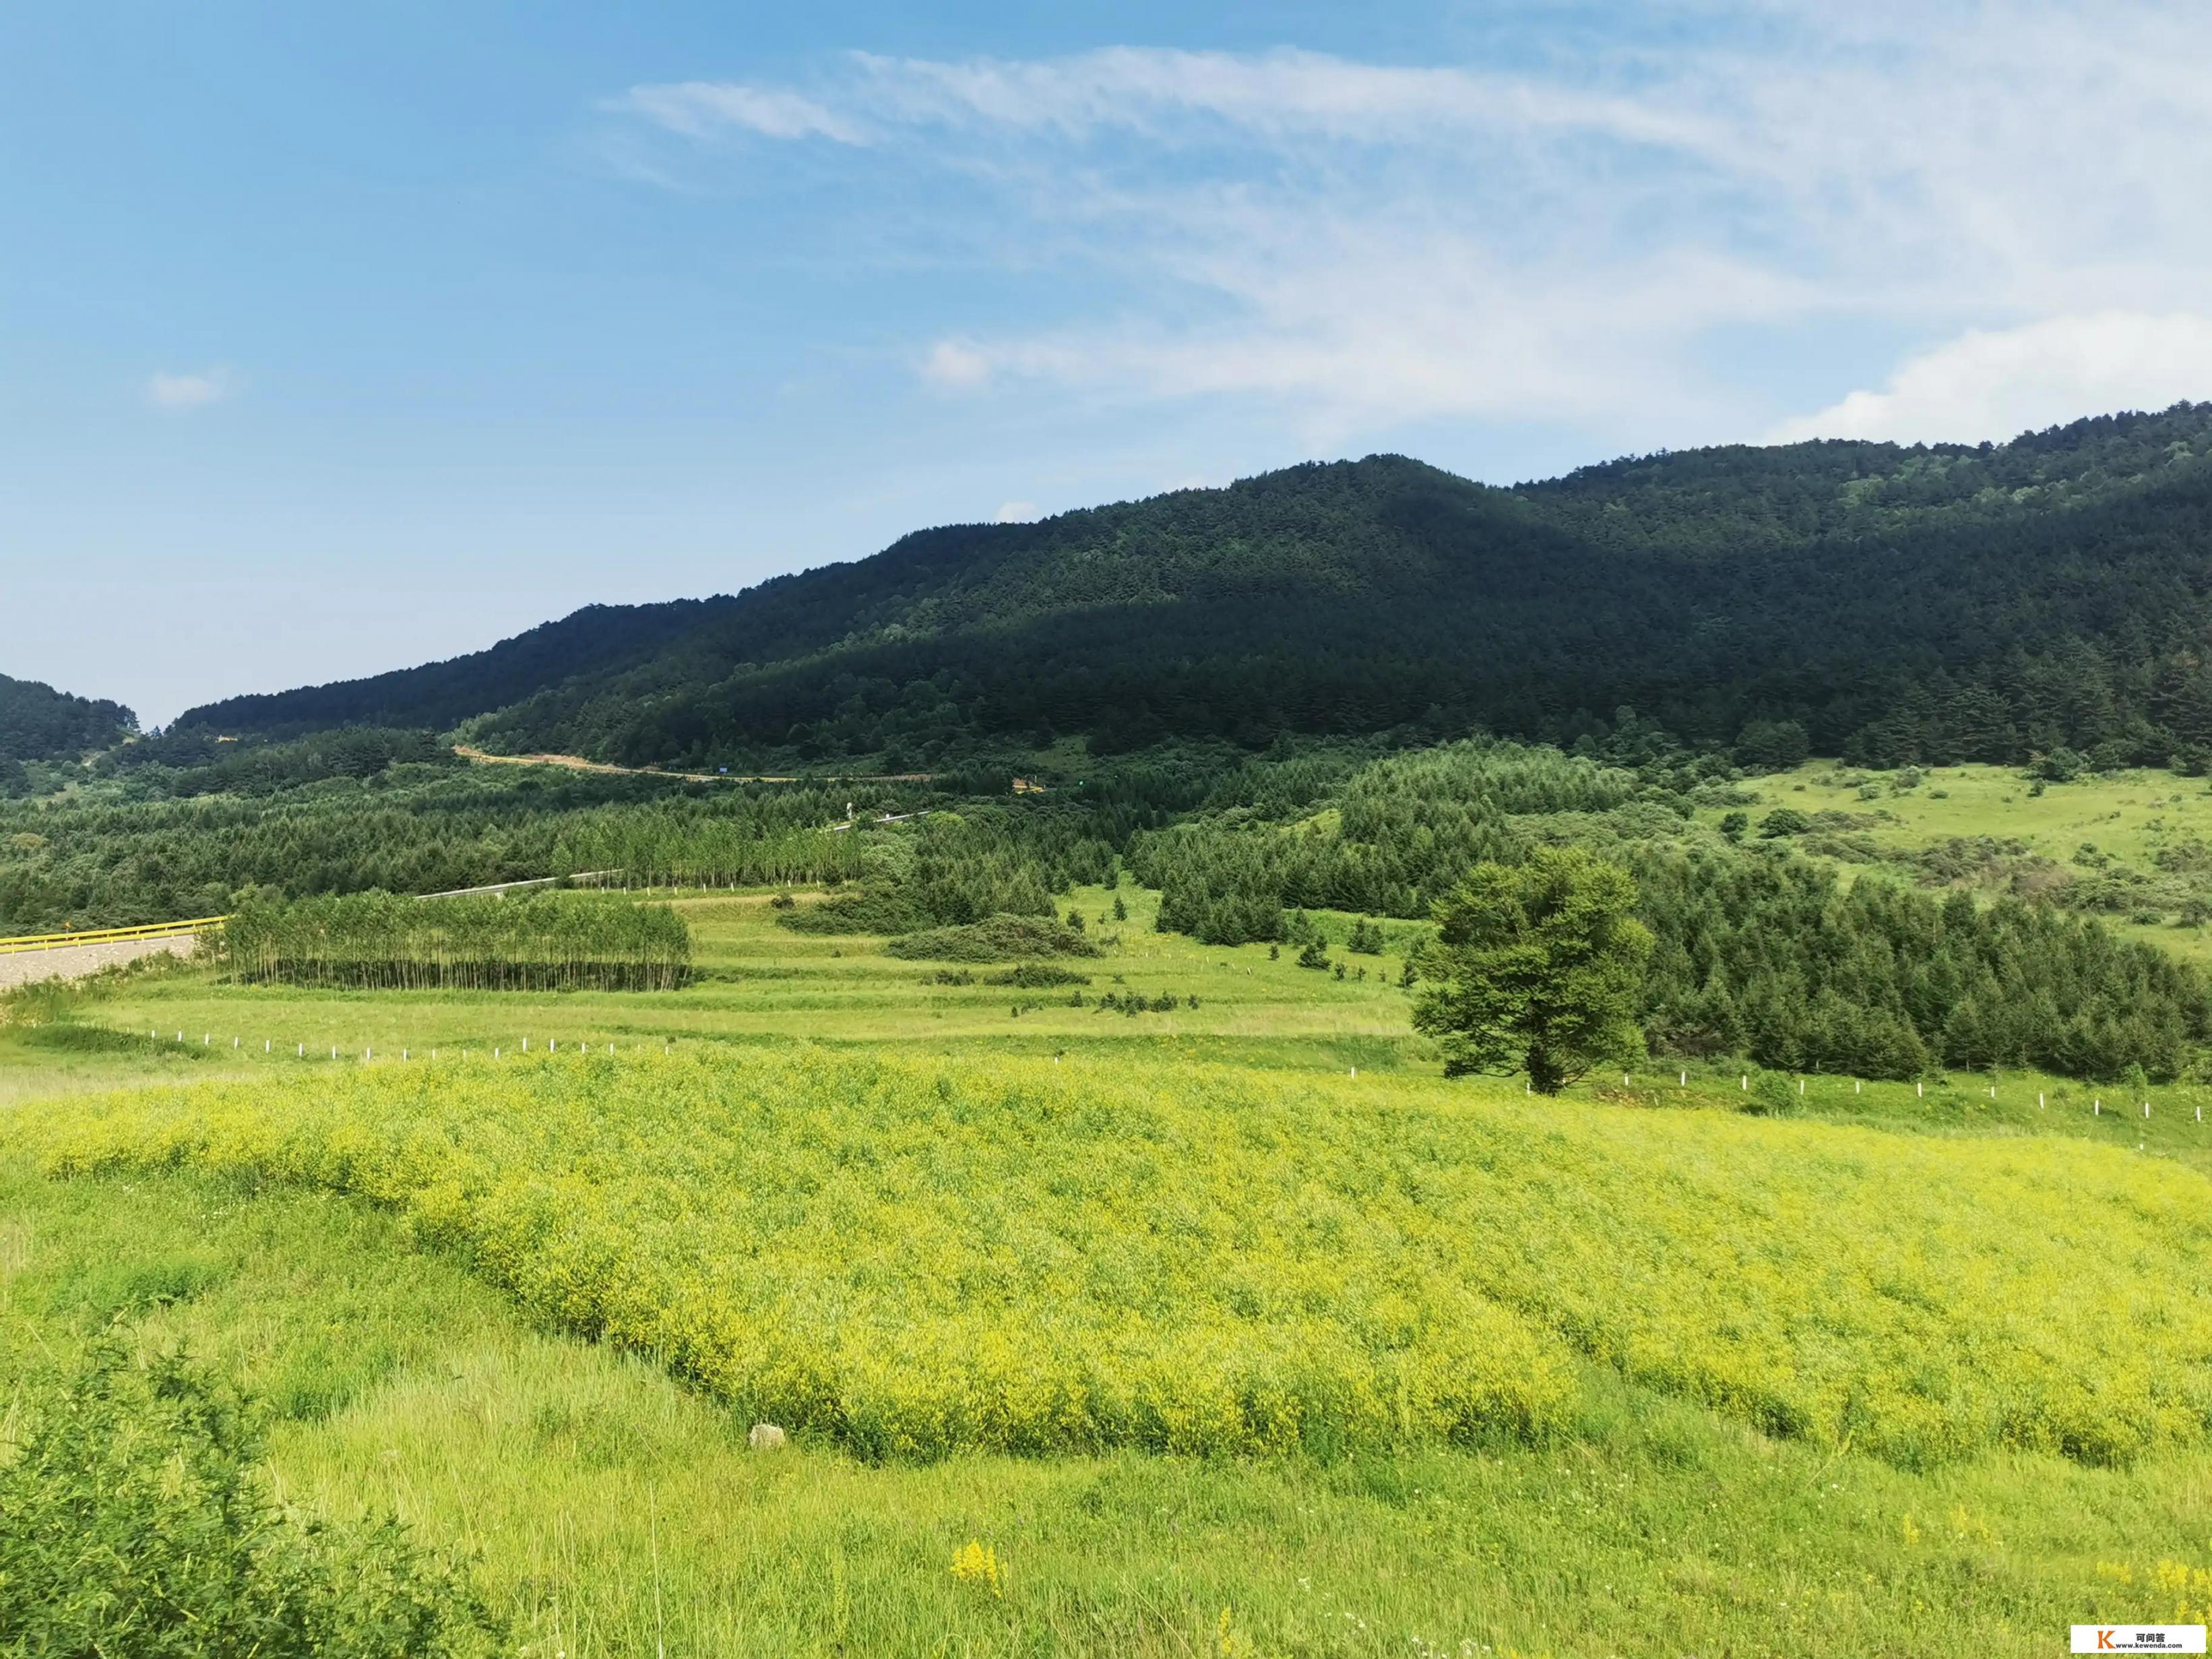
(2132, 841)
(1156, 1312)
(757, 982)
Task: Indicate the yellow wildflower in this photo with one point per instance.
(976, 1563)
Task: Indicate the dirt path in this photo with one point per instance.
(577, 763)
(75, 961)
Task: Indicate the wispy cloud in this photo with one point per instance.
(1362, 245)
(180, 393)
(698, 109)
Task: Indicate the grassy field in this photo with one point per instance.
(2079, 829)
(1811, 1381)
(760, 982)
(616, 1513)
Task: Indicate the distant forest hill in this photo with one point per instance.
(1891, 604)
(38, 723)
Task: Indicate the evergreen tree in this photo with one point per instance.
(1538, 967)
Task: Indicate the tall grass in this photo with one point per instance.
(915, 1257)
(610, 1513)
(375, 941)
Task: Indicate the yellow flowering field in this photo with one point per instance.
(916, 1256)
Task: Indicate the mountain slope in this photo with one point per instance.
(1951, 602)
(40, 723)
(438, 695)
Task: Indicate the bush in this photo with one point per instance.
(867, 910)
(1771, 1095)
(134, 1521)
(995, 938)
(1037, 976)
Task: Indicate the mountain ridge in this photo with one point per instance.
(1859, 590)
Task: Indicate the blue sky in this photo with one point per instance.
(336, 339)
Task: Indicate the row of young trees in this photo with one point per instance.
(380, 941)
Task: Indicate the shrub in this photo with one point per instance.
(866, 910)
(134, 1521)
(995, 938)
(1037, 976)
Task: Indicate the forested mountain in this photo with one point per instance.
(598, 638)
(1895, 604)
(40, 723)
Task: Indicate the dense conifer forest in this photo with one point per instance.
(1891, 604)
(38, 723)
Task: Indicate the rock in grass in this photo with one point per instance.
(766, 1437)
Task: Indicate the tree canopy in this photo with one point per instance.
(1537, 967)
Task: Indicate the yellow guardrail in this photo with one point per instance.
(108, 935)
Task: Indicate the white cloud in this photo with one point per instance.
(699, 108)
(1279, 94)
(1561, 235)
(182, 392)
(1997, 384)
(1015, 513)
(956, 363)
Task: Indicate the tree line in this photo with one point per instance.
(383, 941)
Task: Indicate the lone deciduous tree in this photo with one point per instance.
(1537, 966)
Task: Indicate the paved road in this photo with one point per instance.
(75, 961)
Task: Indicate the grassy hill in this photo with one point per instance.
(1923, 603)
